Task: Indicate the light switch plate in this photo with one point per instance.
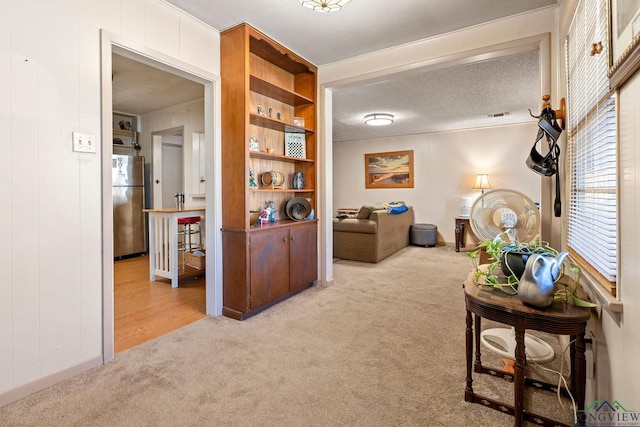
(84, 142)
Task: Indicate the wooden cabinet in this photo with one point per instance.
(292, 251)
(270, 248)
(267, 92)
(303, 256)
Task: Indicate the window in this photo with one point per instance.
(591, 147)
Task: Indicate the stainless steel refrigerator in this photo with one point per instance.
(129, 225)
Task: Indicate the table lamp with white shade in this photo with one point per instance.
(482, 182)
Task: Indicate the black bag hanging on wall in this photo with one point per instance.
(547, 165)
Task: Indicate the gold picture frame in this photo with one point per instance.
(393, 169)
(623, 44)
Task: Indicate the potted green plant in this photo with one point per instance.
(509, 258)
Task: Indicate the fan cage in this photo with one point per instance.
(485, 226)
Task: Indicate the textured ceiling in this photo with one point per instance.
(360, 27)
(460, 97)
(453, 98)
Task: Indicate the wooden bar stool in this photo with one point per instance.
(186, 228)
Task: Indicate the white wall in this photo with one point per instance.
(617, 335)
(445, 167)
(51, 250)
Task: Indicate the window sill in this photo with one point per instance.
(599, 295)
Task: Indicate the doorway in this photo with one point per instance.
(171, 171)
(167, 169)
(145, 309)
(111, 44)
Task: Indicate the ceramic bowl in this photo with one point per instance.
(253, 217)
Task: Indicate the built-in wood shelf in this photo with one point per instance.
(280, 157)
(269, 51)
(263, 87)
(275, 124)
(280, 223)
(281, 190)
(122, 132)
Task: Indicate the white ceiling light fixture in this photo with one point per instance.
(324, 5)
(378, 119)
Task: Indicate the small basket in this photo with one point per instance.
(195, 261)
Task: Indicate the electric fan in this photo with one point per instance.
(514, 214)
(509, 211)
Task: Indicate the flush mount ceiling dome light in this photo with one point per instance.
(378, 119)
(324, 5)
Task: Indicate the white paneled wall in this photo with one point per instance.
(51, 250)
(445, 167)
(618, 336)
(6, 274)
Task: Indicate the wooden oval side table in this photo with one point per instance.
(560, 318)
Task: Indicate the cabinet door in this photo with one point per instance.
(303, 250)
(269, 266)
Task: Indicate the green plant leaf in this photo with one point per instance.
(582, 303)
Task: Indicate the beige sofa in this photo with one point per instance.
(372, 239)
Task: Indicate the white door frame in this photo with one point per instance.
(112, 43)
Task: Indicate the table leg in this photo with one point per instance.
(468, 390)
(173, 256)
(459, 236)
(518, 386)
(580, 372)
(152, 248)
(572, 364)
(478, 327)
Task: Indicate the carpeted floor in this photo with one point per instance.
(384, 346)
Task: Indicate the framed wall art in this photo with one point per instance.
(623, 20)
(393, 169)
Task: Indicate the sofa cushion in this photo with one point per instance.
(364, 212)
(353, 225)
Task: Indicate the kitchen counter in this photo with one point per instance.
(163, 241)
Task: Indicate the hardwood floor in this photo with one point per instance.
(144, 310)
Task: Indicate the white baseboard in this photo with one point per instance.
(47, 381)
(326, 283)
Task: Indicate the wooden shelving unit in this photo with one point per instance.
(129, 138)
(264, 86)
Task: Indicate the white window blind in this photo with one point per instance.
(591, 146)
